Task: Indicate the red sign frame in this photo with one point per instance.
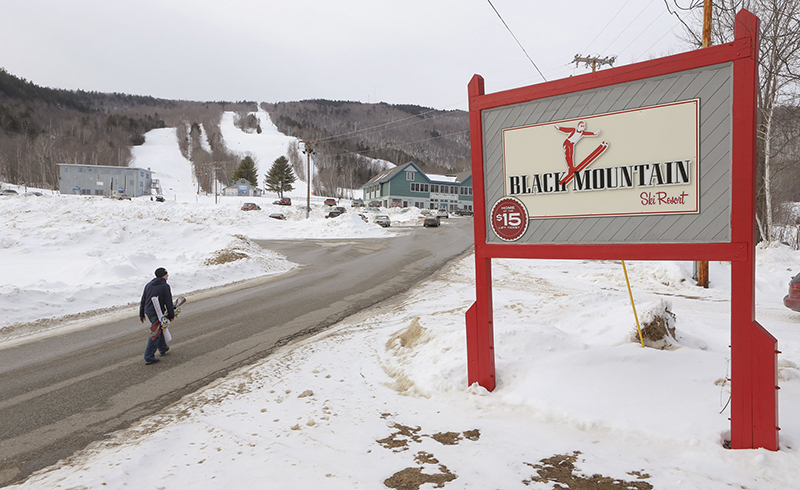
(754, 397)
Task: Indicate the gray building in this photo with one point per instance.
(103, 180)
(242, 187)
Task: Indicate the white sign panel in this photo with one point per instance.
(637, 162)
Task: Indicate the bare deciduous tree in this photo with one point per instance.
(779, 73)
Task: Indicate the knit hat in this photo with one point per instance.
(161, 272)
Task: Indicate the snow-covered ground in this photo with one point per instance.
(382, 398)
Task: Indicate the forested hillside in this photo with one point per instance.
(438, 141)
(41, 127)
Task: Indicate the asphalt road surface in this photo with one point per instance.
(59, 394)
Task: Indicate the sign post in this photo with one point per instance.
(650, 161)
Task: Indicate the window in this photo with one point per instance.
(410, 175)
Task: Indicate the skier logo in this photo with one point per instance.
(573, 136)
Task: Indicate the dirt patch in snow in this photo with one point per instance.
(560, 469)
(413, 477)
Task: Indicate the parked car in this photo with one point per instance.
(382, 220)
(463, 212)
(160, 198)
(8, 192)
(340, 209)
(364, 217)
(284, 201)
(277, 216)
(372, 210)
(394, 205)
(792, 300)
(330, 202)
(334, 213)
(122, 197)
(442, 213)
(357, 203)
(34, 193)
(251, 206)
(374, 204)
(431, 221)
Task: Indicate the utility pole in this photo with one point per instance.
(594, 61)
(214, 167)
(702, 265)
(308, 150)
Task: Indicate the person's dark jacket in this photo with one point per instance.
(157, 287)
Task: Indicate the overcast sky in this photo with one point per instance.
(410, 52)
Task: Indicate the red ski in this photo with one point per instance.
(594, 155)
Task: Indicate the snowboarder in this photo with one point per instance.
(158, 288)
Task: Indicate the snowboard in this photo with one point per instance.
(163, 321)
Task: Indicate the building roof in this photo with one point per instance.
(389, 174)
(102, 166)
(442, 178)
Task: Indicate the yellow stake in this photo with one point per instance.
(633, 305)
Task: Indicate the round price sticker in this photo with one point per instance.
(509, 219)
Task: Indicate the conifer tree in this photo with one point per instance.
(280, 177)
(247, 170)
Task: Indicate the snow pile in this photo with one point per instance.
(93, 253)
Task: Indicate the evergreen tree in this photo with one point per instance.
(247, 170)
(280, 177)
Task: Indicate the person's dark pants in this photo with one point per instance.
(155, 344)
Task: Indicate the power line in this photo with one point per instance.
(374, 129)
(656, 42)
(395, 145)
(629, 25)
(517, 40)
(586, 50)
(640, 34)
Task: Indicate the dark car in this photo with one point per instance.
(792, 300)
(357, 203)
(284, 201)
(334, 213)
(462, 212)
(160, 198)
(330, 202)
(431, 221)
(277, 216)
(251, 206)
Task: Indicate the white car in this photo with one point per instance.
(382, 220)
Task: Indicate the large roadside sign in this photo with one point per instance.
(650, 161)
